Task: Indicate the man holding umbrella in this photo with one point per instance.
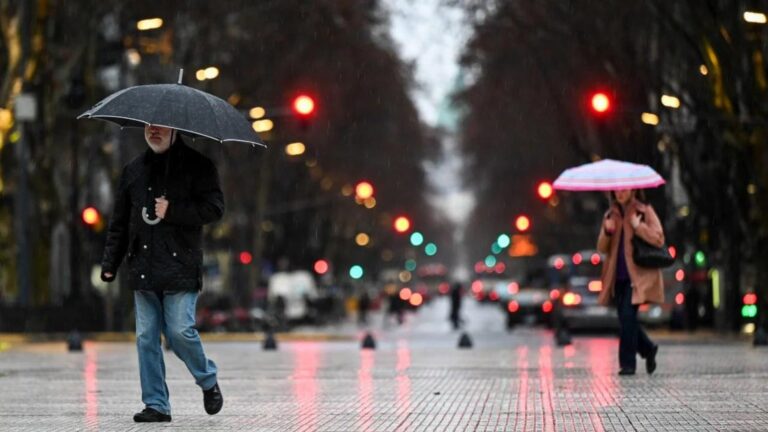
(164, 198)
(164, 257)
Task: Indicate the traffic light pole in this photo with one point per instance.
(22, 219)
(74, 244)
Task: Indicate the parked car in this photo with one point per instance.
(577, 304)
(489, 289)
(672, 311)
(527, 305)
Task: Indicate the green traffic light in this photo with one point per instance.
(749, 311)
(495, 248)
(430, 249)
(490, 261)
(700, 259)
(417, 238)
(356, 272)
(410, 265)
(503, 241)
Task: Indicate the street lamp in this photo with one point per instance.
(257, 113)
(649, 119)
(149, 24)
(755, 17)
(295, 149)
(670, 101)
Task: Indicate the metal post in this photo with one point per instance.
(74, 198)
(21, 220)
(26, 110)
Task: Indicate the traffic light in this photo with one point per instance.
(600, 103)
(356, 272)
(545, 190)
(700, 258)
(91, 217)
(303, 107)
(749, 309)
(402, 224)
(246, 257)
(522, 223)
(321, 266)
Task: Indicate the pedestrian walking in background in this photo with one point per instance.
(626, 284)
(363, 305)
(456, 294)
(164, 198)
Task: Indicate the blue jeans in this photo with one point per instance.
(632, 338)
(173, 313)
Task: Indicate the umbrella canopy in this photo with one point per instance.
(608, 175)
(176, 106)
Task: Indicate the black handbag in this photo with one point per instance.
(650, 256)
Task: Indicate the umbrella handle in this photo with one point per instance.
(147, 220)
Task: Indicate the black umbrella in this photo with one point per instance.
(191, 111)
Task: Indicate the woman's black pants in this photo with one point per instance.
(632, 338)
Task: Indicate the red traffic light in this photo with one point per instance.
(600, 102)
(402, 224)
(91, 216)
(246, 258)
(321, 266)
(522, 223)
(304, 105)
(545, 190)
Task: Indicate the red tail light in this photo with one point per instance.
(554, 294)
(513, 288)
(477, 286)
(679, 298)
(547, 307)
(493, 296)
(513, 306)
(595, 286)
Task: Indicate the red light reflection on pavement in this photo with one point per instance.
(522, 394)
(90, 372)
(403, 381)
(365, 390)
(546, 384)
(306, 363)
(602, 359)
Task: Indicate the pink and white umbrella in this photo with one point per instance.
(608, 175)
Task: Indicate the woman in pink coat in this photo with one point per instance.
(624, 283)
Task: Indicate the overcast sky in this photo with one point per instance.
(431, 36)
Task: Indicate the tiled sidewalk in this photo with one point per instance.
(414, 381)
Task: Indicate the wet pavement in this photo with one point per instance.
(416, 380)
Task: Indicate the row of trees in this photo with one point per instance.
(280, 208)
(535, 64)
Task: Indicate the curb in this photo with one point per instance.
(8, 339)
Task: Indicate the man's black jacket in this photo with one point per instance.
(167, 256)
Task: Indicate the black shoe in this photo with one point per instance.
(148, 415)
(626, 371)
(650, 361)
(213, 400)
